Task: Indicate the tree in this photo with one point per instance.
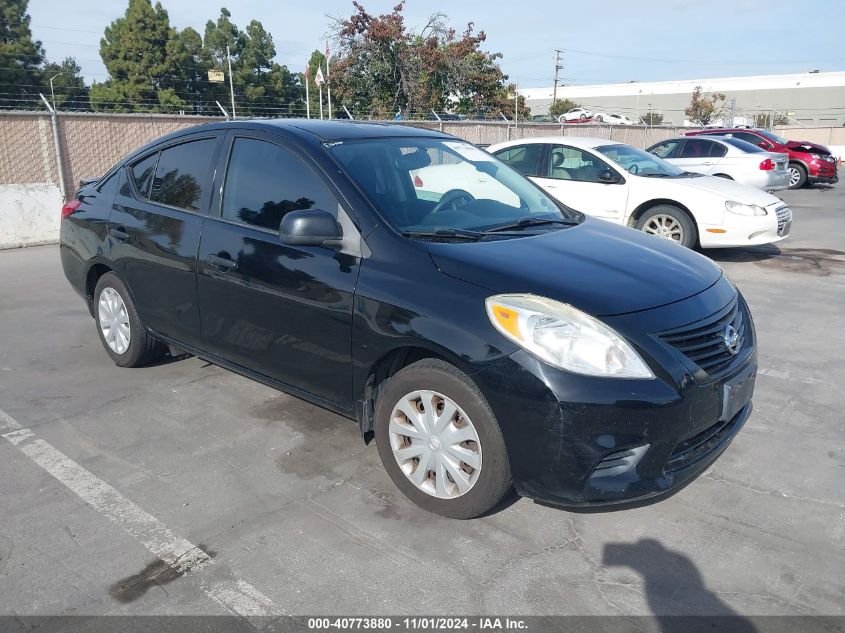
(382, 67)
(702, 108)
(652, 118)
(20, 57)
(69, 87)
(561, 106)
(138, 51)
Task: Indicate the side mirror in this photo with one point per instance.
(608, 177)
(310, 227)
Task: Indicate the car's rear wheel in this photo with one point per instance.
(121, 331)
(583, 116)
(669, 222)
(600, 118)
(797, 176)
(440, 442)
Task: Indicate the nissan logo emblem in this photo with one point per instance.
(731, 338)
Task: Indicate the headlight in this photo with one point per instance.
(744, 209)
(565, 337)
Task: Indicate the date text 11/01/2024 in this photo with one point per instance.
(419, 623)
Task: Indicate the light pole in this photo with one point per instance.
(53, 94)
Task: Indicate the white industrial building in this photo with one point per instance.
(811, 99)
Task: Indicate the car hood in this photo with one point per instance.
(727, 189)
(807, 146)
(598, 267)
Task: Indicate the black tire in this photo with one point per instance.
(802, 175)
(494, 480)
(583, 116)
(143, 348)
(600, 118)
(690, 233)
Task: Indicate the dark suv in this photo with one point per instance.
(808, 162)
(484, 334)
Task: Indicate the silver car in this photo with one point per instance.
(726, 157)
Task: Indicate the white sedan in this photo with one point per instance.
(575, 114)
(613, 118)
(726, 157)
(629, 186)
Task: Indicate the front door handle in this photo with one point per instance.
(222, 263)
(119, 234)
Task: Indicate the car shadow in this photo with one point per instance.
(749, 254)
(172, 356)
(820, 186)
(674, 589)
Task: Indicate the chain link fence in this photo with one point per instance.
(91, 143)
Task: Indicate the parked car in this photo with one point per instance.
(629, 186)
(575, 114)
(726, 157)
(612, 118)
(808, 162)
(484, 341)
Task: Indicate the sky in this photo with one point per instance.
(604, 41)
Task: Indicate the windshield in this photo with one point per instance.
(428, 184)
(773, 137)
(639, 162)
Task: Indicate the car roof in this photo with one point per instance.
(583, 142)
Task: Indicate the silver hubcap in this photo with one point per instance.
(663, 225)
(794, 176)
(435, 444)
(114, 321)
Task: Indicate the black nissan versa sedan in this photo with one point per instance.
(484, 334)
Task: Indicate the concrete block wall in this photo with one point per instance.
(29, 214)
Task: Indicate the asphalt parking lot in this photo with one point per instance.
(291, 513)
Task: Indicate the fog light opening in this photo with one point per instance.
(619, 462)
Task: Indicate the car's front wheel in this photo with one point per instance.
(121, 331)
(440, 442)
(797, 176)
(669, 222)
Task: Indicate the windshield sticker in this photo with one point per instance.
(470, 152)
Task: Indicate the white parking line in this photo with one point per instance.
(178, 553)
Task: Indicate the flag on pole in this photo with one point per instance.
(328, 52)
(318, 78)
(306, 72)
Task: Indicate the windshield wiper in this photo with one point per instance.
(443, 233)
(657, 175)
(526, 222)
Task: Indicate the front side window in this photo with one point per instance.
(639, 162)
(523, 158)
(265, 181)
(182, 173)
(428, 184)
(774, 138)
(749, 138)
(142, 174)
(571, 163)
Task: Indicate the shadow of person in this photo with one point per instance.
(675, 590)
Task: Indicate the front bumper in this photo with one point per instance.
(585, 442)
(739, 230)
(830, 180)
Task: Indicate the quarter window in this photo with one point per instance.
(523, 158)
(182, 173)
(265, 181)
(142, 174)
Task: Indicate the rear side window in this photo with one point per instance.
(696, 148)
(265, 181)
(182, 173)
(523, 158)
(142, 174)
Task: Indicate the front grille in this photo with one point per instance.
(784, 214)
(693, 449)
(704, 342)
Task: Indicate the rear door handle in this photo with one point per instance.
(222, 262)
(119, 234)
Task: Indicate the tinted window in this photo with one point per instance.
(745, 146)
(523, 158)
(265, 181)
(666, 149)
(182, 174)
(696, 148)
(750, 138)
(571, 163)
(142, 174)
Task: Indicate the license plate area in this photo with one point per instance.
(737, 392)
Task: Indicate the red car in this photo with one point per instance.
(808, 162)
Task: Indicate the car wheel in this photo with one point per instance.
(439, 441)
(583, 116)
(669, 222)
(600, 118)
(121, 331)
(797, 176)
